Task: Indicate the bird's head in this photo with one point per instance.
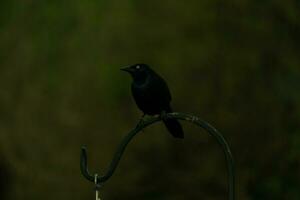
(138, 71)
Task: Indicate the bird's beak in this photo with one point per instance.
(127, 69)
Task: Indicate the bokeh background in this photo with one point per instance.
(233, 63)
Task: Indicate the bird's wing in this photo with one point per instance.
(167, 91)
(163, 89)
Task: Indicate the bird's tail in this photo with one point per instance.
(174, 127)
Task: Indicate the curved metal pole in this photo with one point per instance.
(143, 124)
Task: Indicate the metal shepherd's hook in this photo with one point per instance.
(99, 180)
(97, 187)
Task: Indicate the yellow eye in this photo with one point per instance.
(137, 67)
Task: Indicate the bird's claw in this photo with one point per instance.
(163, 115)
(141, 122)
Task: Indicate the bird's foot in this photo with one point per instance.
(163, 115)
(141, 122)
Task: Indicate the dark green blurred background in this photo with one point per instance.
(233, 63)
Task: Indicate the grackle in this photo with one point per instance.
(152, 95)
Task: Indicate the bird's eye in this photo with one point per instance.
(137, 67)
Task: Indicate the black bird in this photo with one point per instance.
(152, 95)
